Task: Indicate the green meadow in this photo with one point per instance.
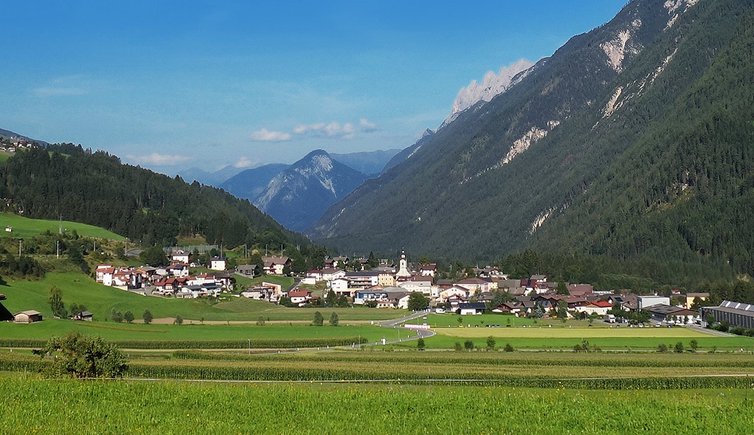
(35, 405)
(101, 300)
(24, 227)
(141, 332)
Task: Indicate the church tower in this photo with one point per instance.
(403, 272)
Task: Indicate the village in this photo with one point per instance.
(352, 282)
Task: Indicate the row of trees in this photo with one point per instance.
(319, 320)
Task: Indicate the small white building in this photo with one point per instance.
(648, 301)
(217, 264)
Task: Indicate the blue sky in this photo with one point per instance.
(175, 84)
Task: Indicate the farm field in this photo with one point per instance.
(119, 332)
(101, 300)
(605, 338)
(24, 227)
(67, 406)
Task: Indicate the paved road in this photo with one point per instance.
(395, 322)
(710, 331)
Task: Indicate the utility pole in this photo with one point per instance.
(57, 248)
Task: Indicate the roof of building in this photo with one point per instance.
(269, 261)
(697, 295)
(30, 313)
(299, 293)
(473, 306)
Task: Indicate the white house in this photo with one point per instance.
(180, 256)
(456, 290)
(421, 284)
(340, 286)
(331, 274)
(275, 265)
(598, 307)
(217, 264)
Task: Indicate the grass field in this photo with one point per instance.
(24, 227)
(705, 342)
(4, 156)
(101, 300)
(135, 332)
(34, 405)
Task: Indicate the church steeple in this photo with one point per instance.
(403, 267)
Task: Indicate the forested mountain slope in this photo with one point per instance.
(633, 141)
(95, 188)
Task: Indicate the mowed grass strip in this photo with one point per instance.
(65, 406)
(544, 332)
(140, 332)
(24, 227)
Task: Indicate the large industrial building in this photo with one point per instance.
(735, 313)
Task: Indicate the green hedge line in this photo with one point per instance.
(207, 344)
(471, 358)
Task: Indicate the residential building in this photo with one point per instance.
(275, 265)
(217, 263)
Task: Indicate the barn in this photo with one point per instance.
(29, 316)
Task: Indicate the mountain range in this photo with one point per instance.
(631, 141)
(297, 195)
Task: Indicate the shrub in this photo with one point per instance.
(79, 356)
(678, 347)
(662, 348)
(318, 319)
(147, 316)
(508, 347)
(468, 345)
(458, 347)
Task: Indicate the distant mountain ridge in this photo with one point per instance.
(297, 196)
(370, 163)
(250, 183)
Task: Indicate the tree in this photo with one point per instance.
(178, 320)
(318, 319)
(330, 298)
(679, 347)
(56, 303)
(490, 343)
(562, 310)
(694, 345)
(116, 316)
(128, 317)
(147, 316)
(420, 344)
(154, 256)
(334, 319)
(417, 302)
(79, 356)
(562, 289)
(468, 345)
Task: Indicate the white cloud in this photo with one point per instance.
(243, 163)
(332, 129)
(366, 126)
(265, 135)
(159, 159)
